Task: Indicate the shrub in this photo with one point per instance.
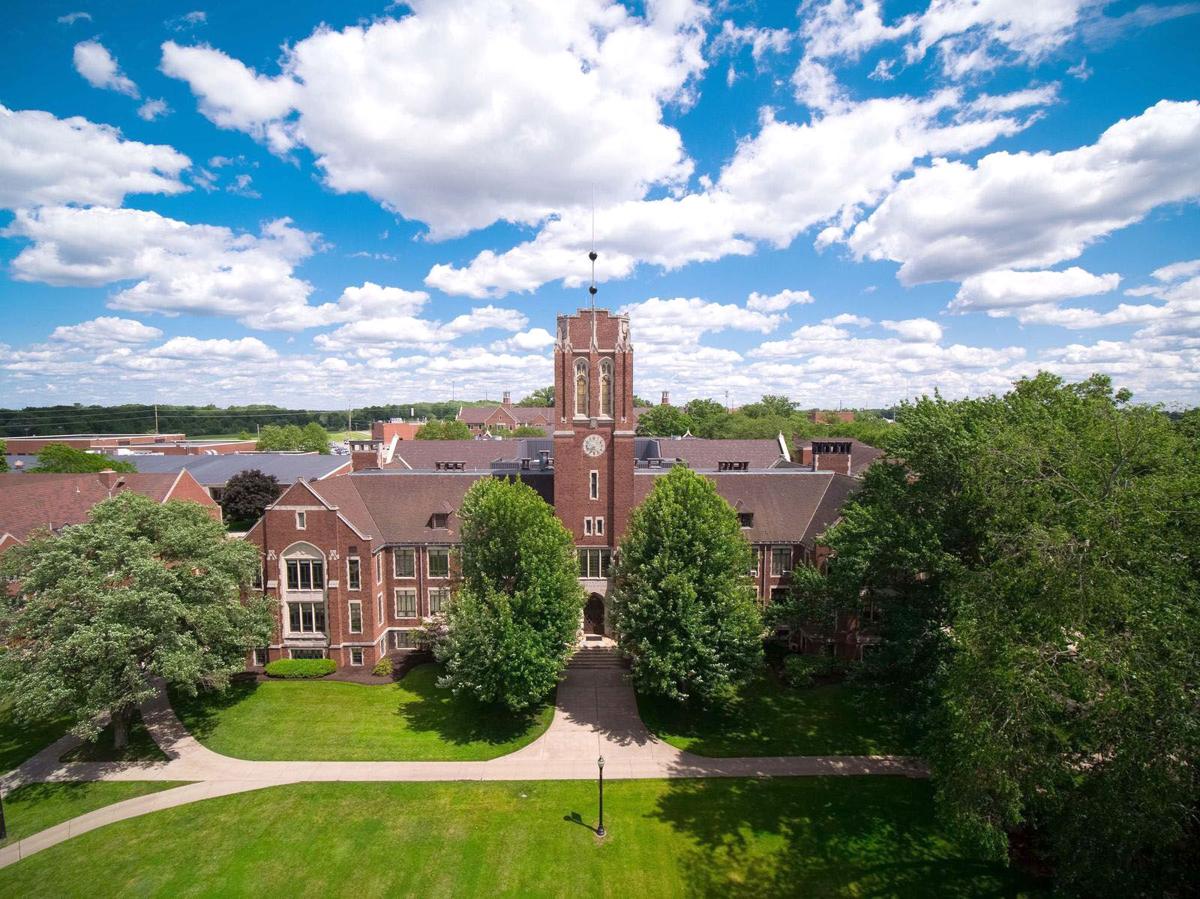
(802, 670)
(296, 668)
(383, 668)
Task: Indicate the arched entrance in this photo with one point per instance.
(593, 615)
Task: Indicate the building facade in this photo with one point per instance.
(357, 563)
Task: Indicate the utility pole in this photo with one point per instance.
(156, 418)
(349, 422)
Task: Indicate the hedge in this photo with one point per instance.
(292, 668)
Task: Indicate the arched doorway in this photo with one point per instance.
(593, 615)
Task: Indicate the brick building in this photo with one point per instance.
(122, 444)
(31, 502)
(356, 562)
(505, 417)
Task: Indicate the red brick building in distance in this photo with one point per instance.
(118, 444)
(30, 501)
(505, 417)
(356, 563)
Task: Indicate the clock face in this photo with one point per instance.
(593, 445)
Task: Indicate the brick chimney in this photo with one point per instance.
(111, 479)
(507, 401)
(366, 454)
(666, 398)
(831, 455)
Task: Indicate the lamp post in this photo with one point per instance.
(3, 828)
(600, 765)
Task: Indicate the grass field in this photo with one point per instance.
(813, 837)
(35, 807)
(334, 721)
(19, 741)
(773, 719)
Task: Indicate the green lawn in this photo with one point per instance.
(35, 807)
(813, 837)
(773, 719)
(325, 720)
(141, 748)
(19, 741)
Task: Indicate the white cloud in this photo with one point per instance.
(374, 335)
(786, 179)
(1004, 288)
(249, 349)
(683, 320)
(1031, 210)
(99, 67)
(47, 160)
(432, 114)
(72, 17)
(177, 267)
(920, 330)
(530, 341)
(848, 318)
(1177, 270)
(848, 28)
(777, 302)
(152, 109)
(106, 331)
(815, 85)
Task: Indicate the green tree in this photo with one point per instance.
(444, 430)
(664, 421)
(513, 621)
(770, 406)
(641, 402)
(312, 438)
(3, 460)
(528, 431)
(247, 495)
(683, 604)
(58, 458)
(139, 591)
(706, 416)
(1038, 550)
(543, 396)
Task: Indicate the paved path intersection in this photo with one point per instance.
(595, 714)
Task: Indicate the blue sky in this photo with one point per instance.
(849, 202)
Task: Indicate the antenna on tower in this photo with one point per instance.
(592, 255)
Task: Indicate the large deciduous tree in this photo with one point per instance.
(543, 396)
(247, 495)
(512, 623)
(139, 591)
(444, 430)
(312, 438)
(664, 421)
(683, 605)
(1039, 550)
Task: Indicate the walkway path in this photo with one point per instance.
(596, 714)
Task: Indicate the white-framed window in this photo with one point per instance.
(356, 656)
(599, 529)
(587, 526)
(379, 567)
(356, 617)
(606, 387)
(406, 602)
(306, 618)
(259, 658)
(593, 484)
(404, 561)
(439, 520)
(437, 599)
(438, 561)
(781, 560)
(581, 388)
(353, 573)
(379, 608)
(301, 521)
(307, 653)
(405, 639)
(305, 574)
(594, 561)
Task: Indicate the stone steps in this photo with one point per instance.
(597, 657)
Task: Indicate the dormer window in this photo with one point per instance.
(439, 520)
(581, 388)
(606, 387)
(746, 519)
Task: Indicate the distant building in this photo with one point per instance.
(356, 563)
(398, 428)
(831, 416)
(122, 444)
(30, 502)
(214, 472)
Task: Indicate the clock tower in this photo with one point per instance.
(593, 425)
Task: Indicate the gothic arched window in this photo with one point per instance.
(581, 388)
(606, 387)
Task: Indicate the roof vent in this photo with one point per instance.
(733, 465)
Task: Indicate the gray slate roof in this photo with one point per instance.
(215, 471)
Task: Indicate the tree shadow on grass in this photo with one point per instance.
(831, 836)
(201, 714)
(772, 718)
(460, 720)
(141, 746)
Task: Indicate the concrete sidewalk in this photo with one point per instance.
(595, 714)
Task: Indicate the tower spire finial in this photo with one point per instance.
(592, 254)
